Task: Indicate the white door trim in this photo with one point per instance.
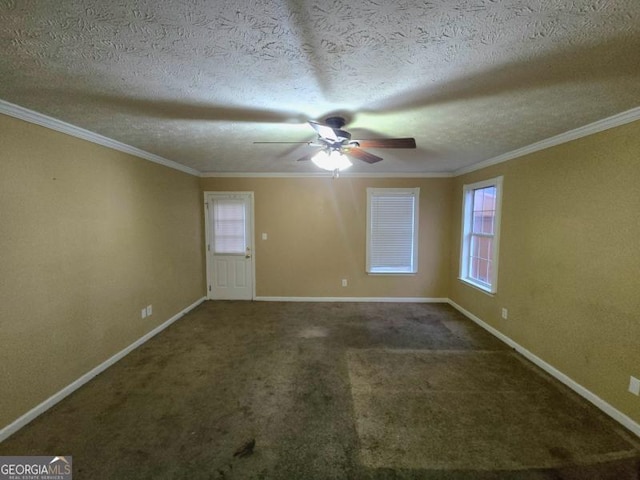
(208, 240)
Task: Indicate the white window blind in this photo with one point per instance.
(392, 230)
(229, 226)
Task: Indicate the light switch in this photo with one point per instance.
(264, 236)
(634, 386)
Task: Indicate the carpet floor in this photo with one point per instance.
(329, 391)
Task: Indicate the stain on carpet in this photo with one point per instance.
(470, 410)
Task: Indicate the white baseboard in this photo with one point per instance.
(607, 408)
(354, 299)
(550, 369)
(55, 398)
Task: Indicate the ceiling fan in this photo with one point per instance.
(336, 145)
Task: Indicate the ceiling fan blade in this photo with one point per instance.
(388, 143)
(306, 158)
(362, 155)
(306, 143)
(324, 131)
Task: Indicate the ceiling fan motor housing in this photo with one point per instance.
(335, 122)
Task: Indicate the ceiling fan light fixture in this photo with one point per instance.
(331, 161)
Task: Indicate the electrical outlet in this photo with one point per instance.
(505, 313)
(344, 282)
(143, 313)
(149, 310)
(634, 385)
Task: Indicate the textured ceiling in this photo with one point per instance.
(197, 81)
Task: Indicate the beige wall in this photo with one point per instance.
(569, 260)
(88, 236)
(316, 236)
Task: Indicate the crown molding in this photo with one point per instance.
(37, 118)
(58, 125)
(262, 174)
(590, 129)
(399, 175)
(323, 175)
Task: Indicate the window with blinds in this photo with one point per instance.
(229, 226)
(392, 230)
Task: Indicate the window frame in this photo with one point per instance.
(466, 234)
(413, 192)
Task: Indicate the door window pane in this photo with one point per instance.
(229, 223)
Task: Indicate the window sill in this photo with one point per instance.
(395, 274)
(477, 286)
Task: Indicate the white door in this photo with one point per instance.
(229, 225)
